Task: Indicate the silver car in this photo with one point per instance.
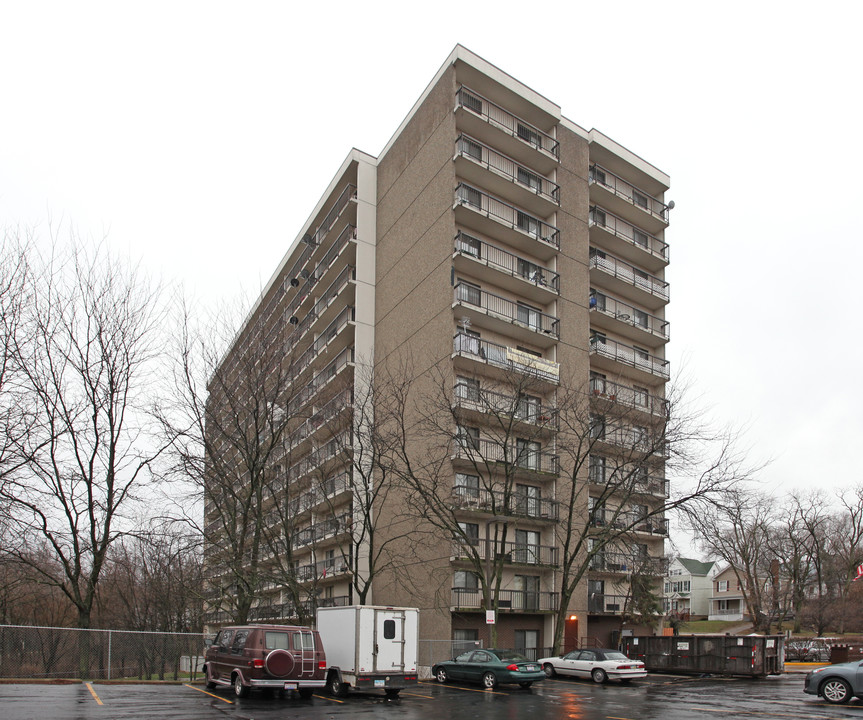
(836, 683)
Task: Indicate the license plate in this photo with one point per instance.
(379, 683)
(530, 668)
(290, 686)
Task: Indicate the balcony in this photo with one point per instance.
(479, 164)
(325, 309)
(483, 452)
(630, 439)
(328, 489)
(626, 240)
(508, 359)
(322, 531)
(624, 319)
(627, 280)
(316, 459)
(321, 418)
(623, 198)
(627, 521)
(602, 604)
(497, 502)
(343, 361)
(607, 394)
(515, 600)
(499, 267)
(518, 138)
(523, 322)
(630, 481)
(480, 211)
(306, 279)
(641, 365)
(512, 553)
(626, 563)
(519, 407)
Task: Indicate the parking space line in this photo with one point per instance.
(456, 687)
(93, 693)
(208, 693)
(427, 697)
(331, 699)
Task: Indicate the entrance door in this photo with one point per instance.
(570, 633)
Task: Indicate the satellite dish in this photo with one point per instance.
(294, 320)
(671, 204)
(295, 282)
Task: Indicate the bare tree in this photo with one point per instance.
(83, 359)
(845, 548)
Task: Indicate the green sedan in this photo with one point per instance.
(490, 667)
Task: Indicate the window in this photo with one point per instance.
(640, 238)
(640, 396)
(526, 547)
(468, 437)
(530, 271)
(639, 514)
(639, 436)
(528, 351)
(596, 470)
(526, 643)
(468, 245)
(471, 148)
(642, 357)
(304, 640)
(597, 383)
(639, 199)
(469, 293)
(597, 338)
(465, 580)
(528, 408)
(467, 485)
(526, 595)
(471, 196)
(470, 533)
(464, 639)
(528, 223)
(597, 427)
(639, 317)
(597, 300)
(597, 216)
(471, 102)
(598, 175)
(528, 134)
(239, 642)
(467, 389)
(595, 598)
(530, 316)
(276, 640)
(642, 279)
(525, 177)
(467, 341)
(528, 454)
(527, 501)
(722, 586)
(595, 511)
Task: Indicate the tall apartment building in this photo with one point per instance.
(507, 254)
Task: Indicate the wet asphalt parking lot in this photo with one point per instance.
(657, 697)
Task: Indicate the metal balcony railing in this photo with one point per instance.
(507, 214)
(321, 531)
(478, 152)
(627, 191)
(643, 484)
(344, 359)
(626, 520)
(606, 604)
(630, 274)
(626, 313)
(521, 407)
(633, 438)
(510, 552)
(483, 451)
(523, 600)
(637, 398)
(523, 315)
(321, 417)
(328, 297)
(505, 120)
(307, 279)
(629, 355)
(628, 232)
(508, 358)
(619, 562)
(497, 503)
(513, 265)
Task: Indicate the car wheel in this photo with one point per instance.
(240, 690)
(526, 684)
(598, 675)
(836, 691)
(336, 686)
(441, 675)
(548, 668)
(489, 680)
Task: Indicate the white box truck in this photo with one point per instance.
(369, 647)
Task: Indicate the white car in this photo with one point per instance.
(598, 664)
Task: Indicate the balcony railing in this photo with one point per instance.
(508, 358)
(523, 600)
(625, 520)
(506, 262)
(636, 398)
(507, 214)
(628, 355)
(320, 418)
(606, 604)
(618, 562)
(518, 406)
(630, 274)
(481, 451)
(627, 191)
(505, 120)
(308, 279)
(330, 487)
(321, 531)
(328, 297)
(510, 553)
(497, 503)
(522, 315)
(626, 313)
(628, 232)
(316, 458)
(343, 359)
(642, 484)
(476, 151)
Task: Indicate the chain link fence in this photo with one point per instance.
(49, 652)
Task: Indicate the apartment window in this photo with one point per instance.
(642, 357)
(467, 485)
(528, 454)
(468, 245)
(639, 199)
(471, 148)
(598, 175)
(597, 383)
(527, 500)
(530, 316)
(467, 389)
(469, 293)
(639, 436)
(597, 427)
(471, 102)
(467, 341)
(526, 594)
(528, 407)
(464, 640)
(471, 196)
(639, 318)
(595, 511)
(528, 223)
(468, 437)
(597, 338)
(526, 547)
(528, 134)
(642, 279)
(639, 514)
(596, 596)
(530, 271)
(530, 179)
(597, 216)
(465, 580)
(596, 469)
(597, 300)
(640, 238)
(526, 643)
(640, 396)
(470, 533)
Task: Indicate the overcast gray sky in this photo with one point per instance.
(198, 136)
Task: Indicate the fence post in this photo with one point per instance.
(109, 654)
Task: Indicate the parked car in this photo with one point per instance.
(836, 683)
(275, 657)
(490, 666)
(599, 664)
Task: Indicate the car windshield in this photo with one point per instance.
(511, 656)
(615, 656)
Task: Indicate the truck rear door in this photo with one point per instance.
(389, 641)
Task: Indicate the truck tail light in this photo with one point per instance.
(257, 663)
(322, 665)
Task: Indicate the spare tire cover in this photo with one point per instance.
(279, 663)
